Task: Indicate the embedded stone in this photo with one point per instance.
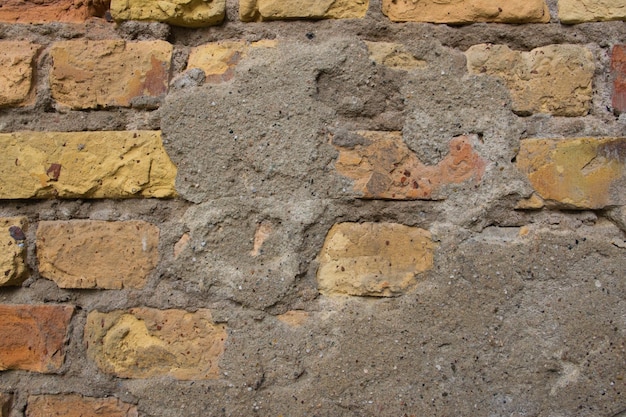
(32, 337)
(13, 270)
(467, 11)
(393, 55)
(382, 166)
(618, 70)
(145, 342)
(582, 173)
(94, 74)
(189, 13)
(259, 10)
(97, 254)
(74, 405)
(554, 79)
(85, 165)
(5, 404)
(373, 259)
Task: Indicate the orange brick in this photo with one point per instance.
(74, 405)
(45, 11)
(97, 254)
(32, 337)
(16, 72)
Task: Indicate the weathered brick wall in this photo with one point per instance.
(320, 208)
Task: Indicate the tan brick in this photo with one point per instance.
(5, 404)
(393, 55)
(189, 13)
(32, 337)
(145, 343)
(85, 165)
(579, 11)
(373, 259)
(467, 11)
(382, 166)
(46, 11)
(16, 72)
(13, 270)
(91, 74)
(74, 405)
(258, 10)
(553, 79)
(582, 173)
(218, 59)
(97, 254)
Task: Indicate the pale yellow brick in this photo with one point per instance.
(189, 13)
(581, 173)
(13, 270)
(467, 11)
(258, 10)
(373, 259)
(85, 165)
(91, 74)
(97, 254)
(16, 72)
(393, 55)
(554, 79)
(145, 343)
(579, 11)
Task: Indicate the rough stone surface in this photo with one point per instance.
(5, 404)
(394, 55)
(74, 405)
(85, 165)
(218, 60)
(189, 13)
(44, 11)
(579, 11)
(145, 342)
(109, 73)
(467, 11)
(16, 72)
(382, 166)
(97, 254)
(583, 173)
(32, 337)
(553, 79)
(13, 270)
(618, 69)
(373, 259)
(257, 10)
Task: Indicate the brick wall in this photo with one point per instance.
(320, 208)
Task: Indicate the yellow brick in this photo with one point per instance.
(393, 55)
(259, 10)
(579, 11)
(189, 13)
(583, 173)
(91, 74)
(85, 165)
(554, 79)
(467, 11)
(16, 72)
(13, 269)
(145, 343)
(373, 259)
(97, 254)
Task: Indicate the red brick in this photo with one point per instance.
(32, 337)
(618, 67)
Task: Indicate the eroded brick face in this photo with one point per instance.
(32, 337)
(16, 72)
(580, 11)
(189, 13)
(255, 10)
(13, 270)
(45, 11)
(145, 342)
